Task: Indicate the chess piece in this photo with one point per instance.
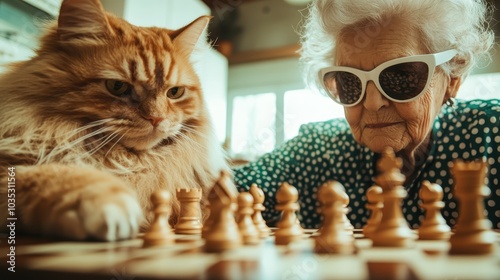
(344, 198)
(289, 229)
(472, 232)
(223, 233)
(374, 204)
(190, 213)
(249, 232)
(433, 226)
(393, 230)
(258, 207)
(333, 237)
(206, 226)
(160, 232)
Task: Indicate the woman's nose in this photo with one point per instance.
(373, 99)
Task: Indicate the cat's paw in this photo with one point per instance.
(101, 211)
(76, 203)
(113, 218)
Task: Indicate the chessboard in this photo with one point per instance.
(236, 243)
(37, 258)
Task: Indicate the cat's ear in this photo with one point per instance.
(187, 37)
(82, 18)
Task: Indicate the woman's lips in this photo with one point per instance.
(380, 125)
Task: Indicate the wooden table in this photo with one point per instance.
(41, 258)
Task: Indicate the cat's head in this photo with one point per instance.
(136, 82)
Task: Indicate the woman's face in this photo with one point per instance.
(377, 122)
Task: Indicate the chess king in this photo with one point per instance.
(396, 66)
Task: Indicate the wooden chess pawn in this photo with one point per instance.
(258, 207)
(249, 232)
(160, 232)
(393, 230)
(223, 233)
(289, 229)
(472, 232)
(344, 198)
(374, 204)
(433, 226)
(190, 213)
(333, 237)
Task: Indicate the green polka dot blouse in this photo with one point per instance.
(327, 151)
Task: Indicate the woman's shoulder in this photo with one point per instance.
(471, 112)
(470, 124)
(477, 106)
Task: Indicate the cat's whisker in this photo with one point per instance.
(116, 142)
(108, 139)
(102, 131)
(95, 141)
(182, 136)
(192, 130)
(87, 137)
(87, 127)
(90, 135)
(58, 150)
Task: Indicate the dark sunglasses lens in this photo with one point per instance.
(343, 87)
(405, 80)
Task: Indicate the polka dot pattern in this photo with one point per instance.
(327, 151)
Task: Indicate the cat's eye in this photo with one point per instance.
(175, 92)
(118, 88)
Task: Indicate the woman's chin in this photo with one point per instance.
(378, 146)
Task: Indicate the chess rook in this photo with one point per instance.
(473, 234)
(333, 237)
(392, 231)
(289, 229)
(258, 207)
(433, 226)
(189, 221)
(160, 233)
(374, 204)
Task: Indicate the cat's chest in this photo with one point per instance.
(163, 169)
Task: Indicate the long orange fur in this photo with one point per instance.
(76, 147)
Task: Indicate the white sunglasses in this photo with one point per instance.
(399, 80)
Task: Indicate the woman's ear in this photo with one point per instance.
(453, 86)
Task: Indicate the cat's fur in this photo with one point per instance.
(86, 160)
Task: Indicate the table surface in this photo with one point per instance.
(42, 258)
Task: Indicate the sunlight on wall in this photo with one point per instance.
(303, 106)
(253, 129)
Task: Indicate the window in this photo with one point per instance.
(262, 121)
(253, 125)
(303, 106)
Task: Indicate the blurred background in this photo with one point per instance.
(248, 66)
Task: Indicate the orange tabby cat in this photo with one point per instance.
(104, 114)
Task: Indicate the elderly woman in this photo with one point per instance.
(395, 66)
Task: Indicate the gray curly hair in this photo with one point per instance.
(444, 24)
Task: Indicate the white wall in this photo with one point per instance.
(171, 14)
(268, 24)
(266, 74)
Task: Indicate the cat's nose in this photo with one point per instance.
(155, 121)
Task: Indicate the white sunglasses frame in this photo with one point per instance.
(432, 60)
